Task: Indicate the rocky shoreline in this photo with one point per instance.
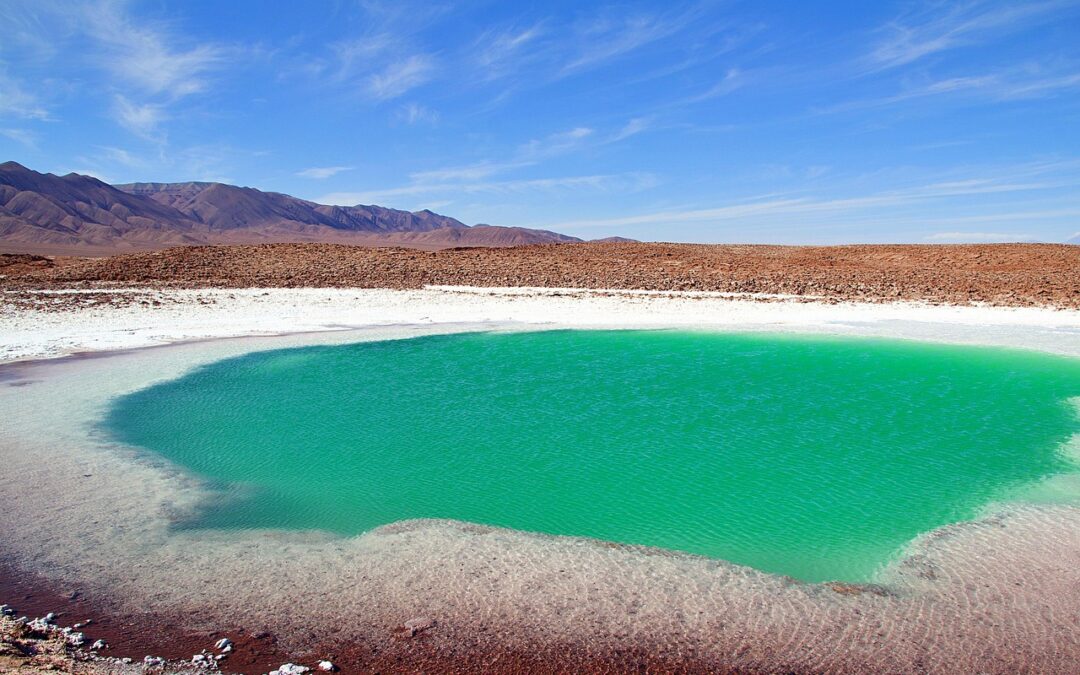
(129, 645)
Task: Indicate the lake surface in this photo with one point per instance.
(818, 458)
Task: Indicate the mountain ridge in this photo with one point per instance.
(43, 212)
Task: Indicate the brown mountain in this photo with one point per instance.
(76, 214)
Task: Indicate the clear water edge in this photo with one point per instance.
(148, 419)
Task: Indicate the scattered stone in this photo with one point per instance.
(98, 644)
(223, 644)
(327, 666)
(50, 617)
(290, 669)
(153, 661)
(76, 639)
(198, 658)
(126, 659)
(7, 610)
(419, 625)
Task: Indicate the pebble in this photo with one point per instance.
(327, 666)
(153, 661)
(419, 624)
(98, 644)
(290, 669)
(126, 659)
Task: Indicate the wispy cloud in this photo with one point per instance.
(471, 172)
(979, 237)
(606, 38)
(732, 80)
(632, 128)
(944, 26)
(500, 52)
(141, 119)
(322, 172)
(145, 56)
(17, 101)
(593, 183)
(1009, 85)
(123, 157)
(400, 77)
(555, 144)
(797, 207)
(21, 136)
(414, 113)
(150, 65)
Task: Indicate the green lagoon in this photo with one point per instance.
(819, 458)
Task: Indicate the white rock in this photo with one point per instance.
(291, 669)
(98, 644)
(153, 661)
(198, 658)
(76, 639)
(223, 643)
(7, 610)
(419, 624)
(126, 659)
(327, 666)
(50, 617)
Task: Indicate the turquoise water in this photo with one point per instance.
(813, 457)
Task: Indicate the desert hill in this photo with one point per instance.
(81, 215)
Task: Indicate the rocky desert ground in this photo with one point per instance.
(1016, 275)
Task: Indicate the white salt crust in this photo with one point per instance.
(998, 595)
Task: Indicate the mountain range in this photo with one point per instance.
(76, 214)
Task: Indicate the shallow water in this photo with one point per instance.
(815, 457)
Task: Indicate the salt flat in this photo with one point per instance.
(48, 323)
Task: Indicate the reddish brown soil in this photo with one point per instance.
(1001, 274)
(136, 636)
(132, 636)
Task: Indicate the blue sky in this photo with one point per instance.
(766, 122)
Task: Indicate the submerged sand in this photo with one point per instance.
(998, 595)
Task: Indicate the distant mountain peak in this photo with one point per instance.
(43, 212)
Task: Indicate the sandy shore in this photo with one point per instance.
(998, 595)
